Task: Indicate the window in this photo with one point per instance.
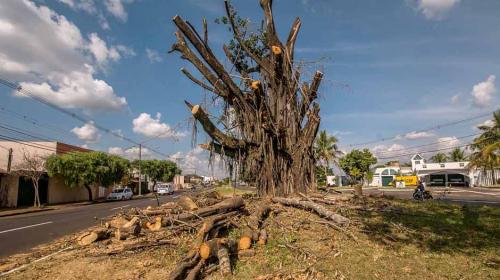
(417, 157)
(385, 172)
(393, 172)
(417, 162)
(424, 166)
(462, 164)
(442, 165)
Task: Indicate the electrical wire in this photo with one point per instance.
(73, 115)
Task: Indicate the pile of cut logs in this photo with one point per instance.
(213, 217)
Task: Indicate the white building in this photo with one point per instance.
(433, 174)
(444, 174)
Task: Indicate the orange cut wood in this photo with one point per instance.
(244, 243)
(255, 85)
(276, 50)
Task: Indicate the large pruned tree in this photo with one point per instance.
(85, 169)
(274, 117)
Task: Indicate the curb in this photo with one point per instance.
(26, 212)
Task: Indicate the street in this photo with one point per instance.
(20, 233)
(470, 196)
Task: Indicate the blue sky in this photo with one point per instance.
(391, 67)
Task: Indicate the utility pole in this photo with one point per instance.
(140, 176)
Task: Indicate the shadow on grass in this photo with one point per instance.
(434, 226)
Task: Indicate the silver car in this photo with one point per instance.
(120, 194)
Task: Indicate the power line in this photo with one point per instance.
(429, 144)
(439, 126)
(73, 115)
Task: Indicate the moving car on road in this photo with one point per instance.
(120, 194)
(164, 189)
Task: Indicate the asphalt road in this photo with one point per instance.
(471, 196)
(20, 233)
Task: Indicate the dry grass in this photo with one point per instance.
(393, 240)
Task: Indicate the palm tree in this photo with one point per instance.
(326, 149)
(457, 155)
(439, 158)
(486, 147)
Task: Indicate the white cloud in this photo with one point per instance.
(90, 8)
(152, 127)
(447, 142)
(51, 58)
(435, 9)
(197, 160)
(103, 54)
(116, 151)
(88, 133)
(131, 153)
(418, 135)
(117, 9)
(455, 99)
(489, 123)
(384, 150)
(153, 56)
(76, 89)
(483, 92)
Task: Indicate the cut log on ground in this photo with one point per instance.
(224, 206)
(313, 207)
(250, 233)
(156, 225)
(93, 236)
(132, 228)
(187, 203)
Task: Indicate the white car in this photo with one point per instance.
(120, 194)
(165, 189)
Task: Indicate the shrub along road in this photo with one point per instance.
(23, 232)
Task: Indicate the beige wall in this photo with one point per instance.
(43, 149)
(60, 193)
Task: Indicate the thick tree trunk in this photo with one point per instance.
(89, 190)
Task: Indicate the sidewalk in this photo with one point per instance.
(7, 212)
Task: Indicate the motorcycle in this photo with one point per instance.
(421, 196)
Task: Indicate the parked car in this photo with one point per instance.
(164, 189)
(120, 194)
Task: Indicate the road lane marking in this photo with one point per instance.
(30, 226)
(175, 196)
(485, 193)
(119, 207)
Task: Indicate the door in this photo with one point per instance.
(437, 179)
(386, 180)
(26, 191)
(456, 179)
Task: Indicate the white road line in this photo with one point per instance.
(493, 194)
(175, 196)
(120, 207)
(30, 226)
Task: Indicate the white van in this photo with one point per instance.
(166, 188)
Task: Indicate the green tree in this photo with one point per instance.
(486, 147)
(84, 169)
(457, 154)
(326, 150)
(357, 164)
(158, 170)
(439, 158)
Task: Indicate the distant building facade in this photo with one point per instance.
(17, 191)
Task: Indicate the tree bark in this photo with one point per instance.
(311, 206)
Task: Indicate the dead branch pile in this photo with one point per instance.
(226, 229)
